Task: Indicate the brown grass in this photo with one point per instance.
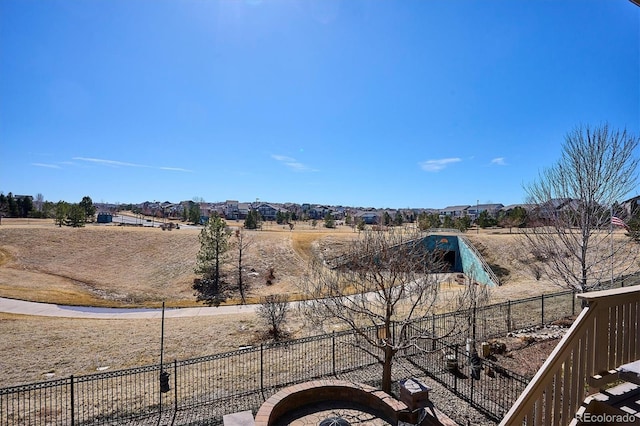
(34, 346)
(121, 266)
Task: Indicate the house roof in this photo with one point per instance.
(489, 206)
(454, 208)
(524, 206)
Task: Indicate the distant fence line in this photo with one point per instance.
(202, 390)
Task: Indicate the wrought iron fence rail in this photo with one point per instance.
(223, 381)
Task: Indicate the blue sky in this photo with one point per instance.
(413, 103)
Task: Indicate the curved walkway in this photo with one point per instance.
(21, 307)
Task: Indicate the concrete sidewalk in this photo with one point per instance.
(13, 306)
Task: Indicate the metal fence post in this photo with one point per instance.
(333, 351)
(261, 367)
(455, 375)
(573, 302)
(542, 309)
(73, 402)
(472, 396)
(474, 318)
(175, 387)
(433, 331)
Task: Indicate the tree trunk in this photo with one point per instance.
(240, 286)
(386, 369)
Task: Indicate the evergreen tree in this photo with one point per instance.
(398, 220)
(462, 223)
(348, 219)
(329, 221)
(194, 213)
(252, 220)
(485, 220)
(76, 216)
(517, 217)
(48, 210)
(88, 208)
(12, 206)
(61, 211)
(423, 221)
(25, 206)
(386, 219)
(214, 244)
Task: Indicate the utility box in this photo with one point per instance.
(486, 350)
(414, 393)
(105, 217)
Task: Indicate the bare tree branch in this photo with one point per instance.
(575, 199)
(385, 282)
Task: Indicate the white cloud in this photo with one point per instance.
(50, 166)
(292, 163)
(437, 165)
(111, 163)
(114, 163)
(176, 169)
(498, 161)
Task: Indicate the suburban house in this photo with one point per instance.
(548, 211)
(528, 207)
(318, 212)
(269, 211)
(453, 212)
(231, 210)
(369, 217)
(631, 205)
(243, 210)
(492, 209)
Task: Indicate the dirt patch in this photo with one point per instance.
(5, 257)
(524, 351)
(525, 357)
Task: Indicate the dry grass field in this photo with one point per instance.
(126, 267)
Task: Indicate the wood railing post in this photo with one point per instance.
(597, 342)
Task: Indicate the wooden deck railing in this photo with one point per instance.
(605, 335)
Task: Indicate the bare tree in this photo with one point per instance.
(386, 280)
(39, 202)
(575, 199)
(473, 296)
(273, 312)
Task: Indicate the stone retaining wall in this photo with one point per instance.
(298, 396)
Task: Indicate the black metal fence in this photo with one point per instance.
(202, 390)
